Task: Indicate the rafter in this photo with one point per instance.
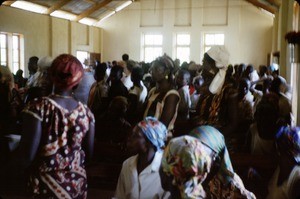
(57, 6)
(93, 9)
(90, 1)
(263, 6)
(8, 3)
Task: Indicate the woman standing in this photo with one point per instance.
(58, 136)
(163, 99)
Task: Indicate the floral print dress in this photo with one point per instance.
(58, 169)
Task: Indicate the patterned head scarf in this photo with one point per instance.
(185, 159)
(212, 138)
(288, 139)
(154, 130)
(221, 56)
(66, 71)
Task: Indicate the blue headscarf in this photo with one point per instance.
(288, 139)
(154, 130)
(212, 138)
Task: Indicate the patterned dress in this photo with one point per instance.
(58, 169)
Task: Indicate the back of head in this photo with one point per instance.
(100, 71)
(32, 64)
(267, 116)
(6, 77)
(187, 162)
(66, 71)
(137, 74)
(130, 64)
(44, 63)
(125, 57)
(116, 72)
(288, 142)
(276, 84)
(118, 106)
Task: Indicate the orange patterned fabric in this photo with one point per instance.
(58, 169)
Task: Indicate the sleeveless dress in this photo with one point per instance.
(58, 168)
(284, 190)
(160, 106)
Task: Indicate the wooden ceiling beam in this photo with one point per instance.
(93, 9)
(263, 6)
(90, 1)
(8, 3)
(57, 6)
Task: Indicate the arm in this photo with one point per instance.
(88, 142)
(169, 109)
(32, 133)
(232, 114)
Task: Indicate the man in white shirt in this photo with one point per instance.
(139, 177)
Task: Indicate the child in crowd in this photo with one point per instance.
(182, 83)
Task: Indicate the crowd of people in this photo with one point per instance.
(181, 122)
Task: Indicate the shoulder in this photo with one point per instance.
(129, 162)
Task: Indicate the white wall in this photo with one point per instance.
(48, 36)
(248, 31)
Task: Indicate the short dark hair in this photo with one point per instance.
(125, 57)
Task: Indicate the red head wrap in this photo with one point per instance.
(66, 71)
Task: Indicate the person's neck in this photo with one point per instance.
(62, 93)
(163, 86)
(137, 83)
(145, 159)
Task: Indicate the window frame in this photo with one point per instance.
(182, 46)
(204, 45)
(10, 62)
(144, 45)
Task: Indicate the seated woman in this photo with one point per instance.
(163, 100)
(221, 180)
(184, 167)
(285, 182)
(139, 177)
(58, 137)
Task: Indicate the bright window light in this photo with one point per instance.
(124, 5)
(63, 15)
(183, 39)
(88, 21)
(25, 5)
(108, 15)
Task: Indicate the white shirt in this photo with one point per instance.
(284, 190)
(146, 185)
(185, 102)
(126, 79)
(140, 93)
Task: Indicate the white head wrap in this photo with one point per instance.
(44, 63)
(221, 56)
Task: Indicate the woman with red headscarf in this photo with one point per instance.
(58, 136)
